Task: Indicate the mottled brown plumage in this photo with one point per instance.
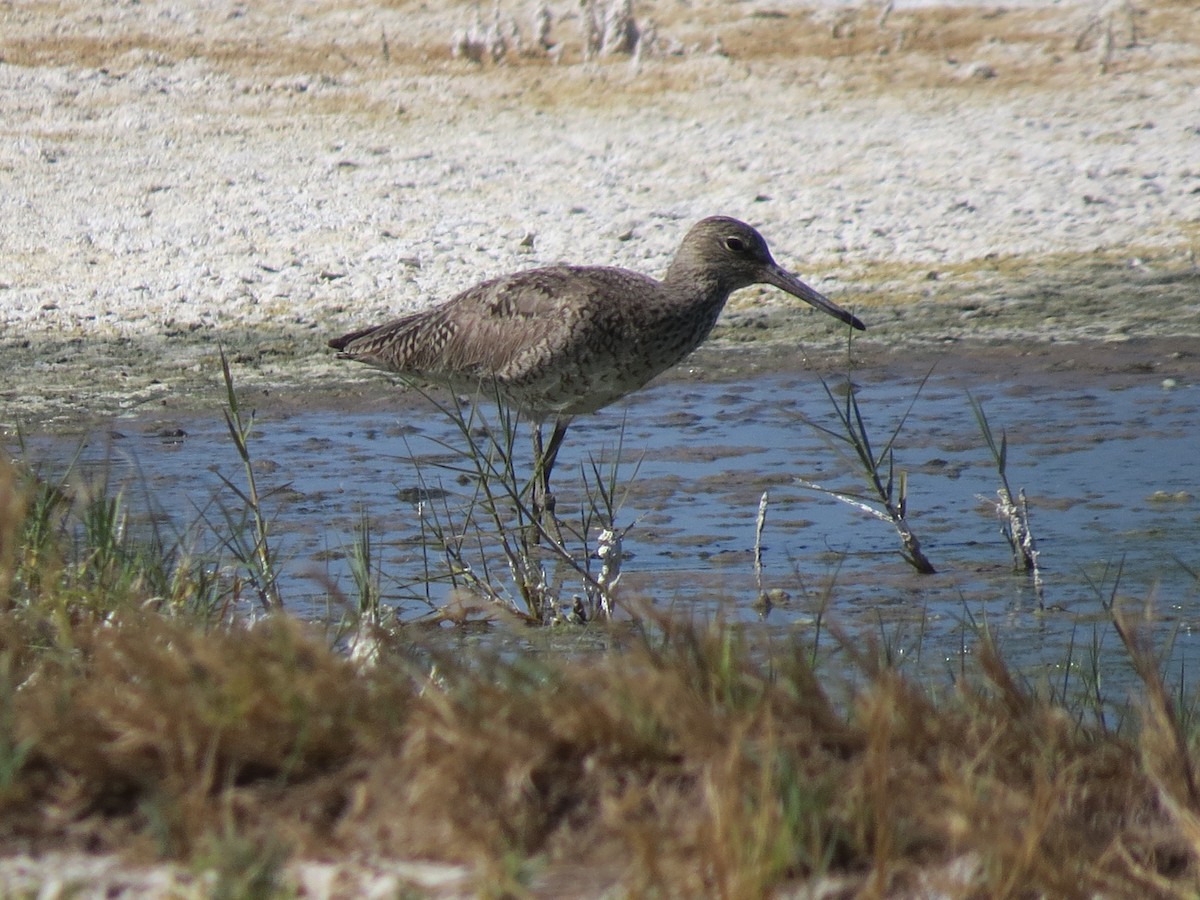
(564, 340)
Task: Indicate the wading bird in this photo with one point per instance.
(561, 341)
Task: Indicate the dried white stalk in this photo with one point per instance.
(611, 554)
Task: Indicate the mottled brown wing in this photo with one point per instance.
(509, 328)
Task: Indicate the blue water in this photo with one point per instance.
(1111, 478)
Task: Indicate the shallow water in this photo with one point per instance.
(1110, 476)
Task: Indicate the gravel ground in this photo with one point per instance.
(263, 177)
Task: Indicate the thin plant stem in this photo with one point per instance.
(1011, 509)
(888, 495)
(261, 562)
(500, 514)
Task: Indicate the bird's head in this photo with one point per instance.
(735, 255)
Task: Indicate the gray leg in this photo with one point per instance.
(556, 439)
(544, 456)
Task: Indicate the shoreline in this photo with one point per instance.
(1129, 314)
(1086, 364)
(260, 181)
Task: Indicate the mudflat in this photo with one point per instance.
(1020, 178)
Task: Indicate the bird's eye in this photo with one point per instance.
(735, 245)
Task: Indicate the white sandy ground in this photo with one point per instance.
(271, 173)
(176, 174)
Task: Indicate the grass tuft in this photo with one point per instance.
(887, 493)
(1012, 510)
(251, 546)
(559, 570)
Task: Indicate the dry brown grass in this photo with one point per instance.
(689, 764)
(139, 715)
(684, 761)
(914, 48)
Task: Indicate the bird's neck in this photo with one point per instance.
(696, 300)
(703, 287)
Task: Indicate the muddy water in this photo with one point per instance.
(1110, 474)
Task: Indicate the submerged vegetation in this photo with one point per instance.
(887, 497)
(156, 704)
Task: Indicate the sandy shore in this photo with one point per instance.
(264, 176)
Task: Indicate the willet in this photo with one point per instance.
(561, 341)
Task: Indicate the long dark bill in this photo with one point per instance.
(786, 281)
